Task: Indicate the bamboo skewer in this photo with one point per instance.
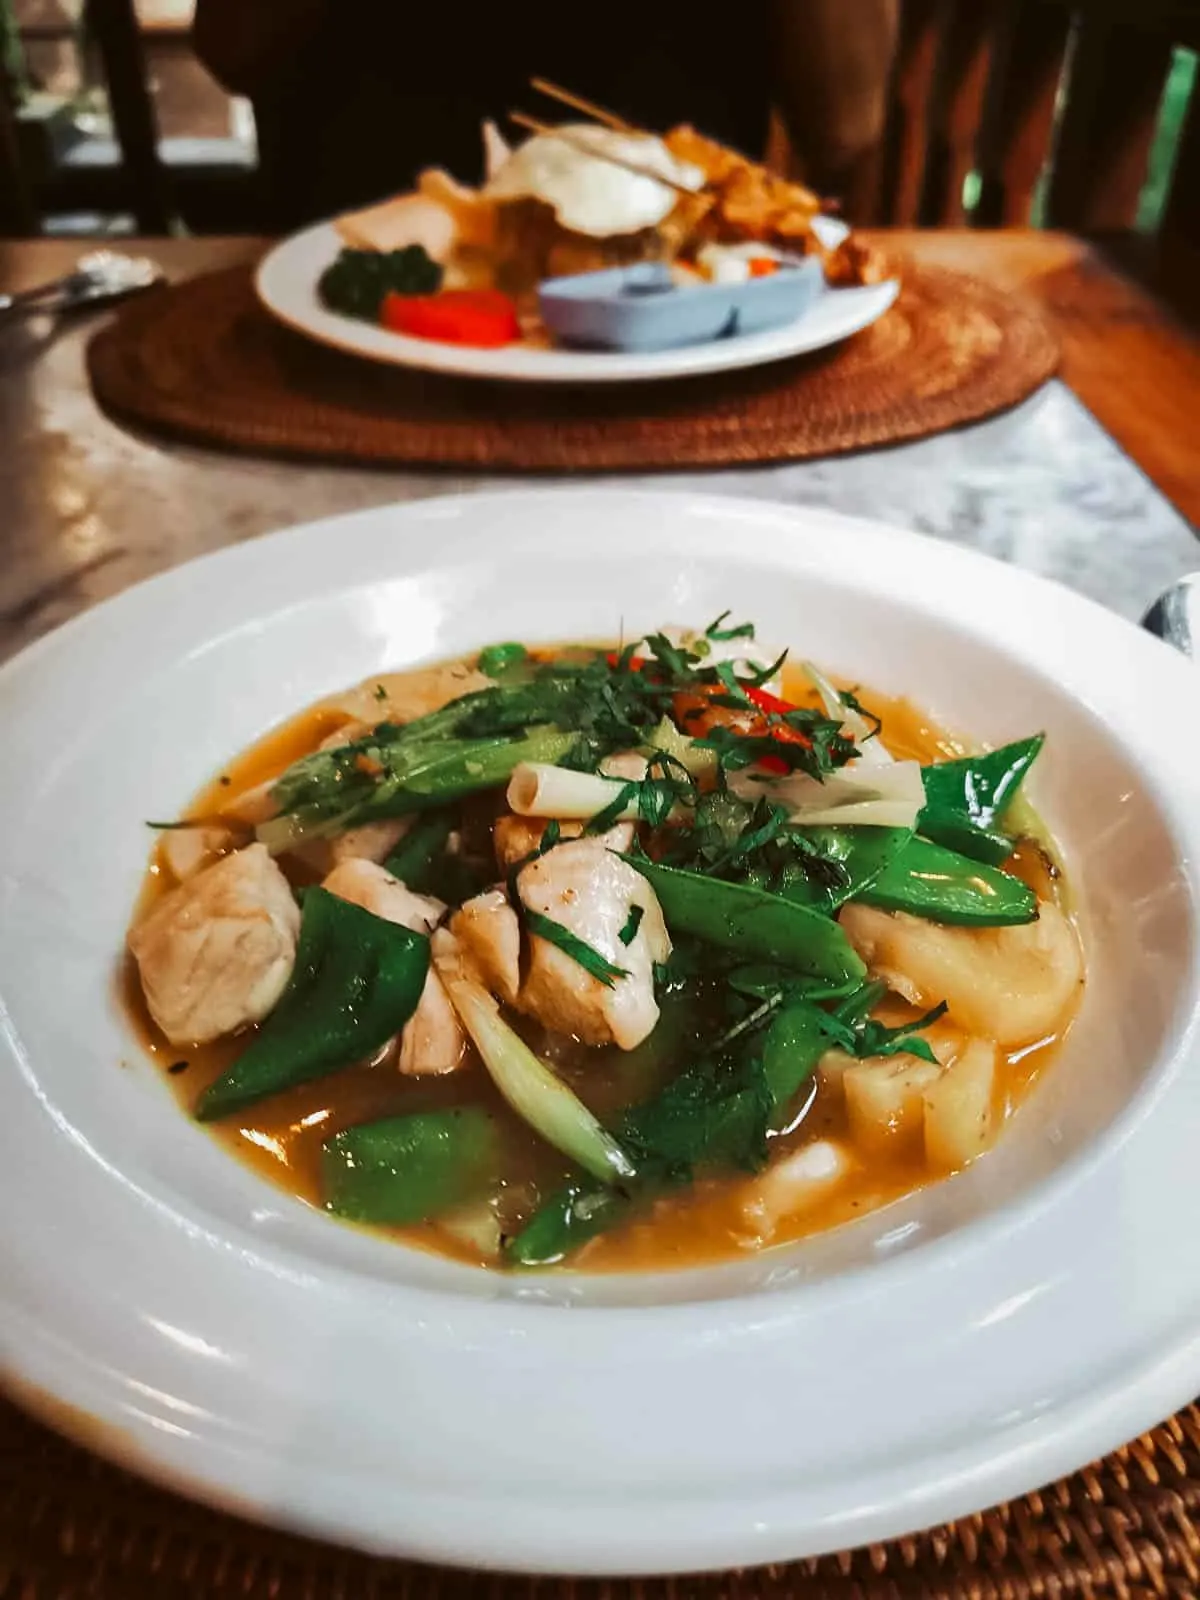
(578, 103)
(523, 120)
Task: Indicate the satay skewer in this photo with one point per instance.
(566, 135)
(588, 107)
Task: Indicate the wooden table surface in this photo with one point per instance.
(1131, 363)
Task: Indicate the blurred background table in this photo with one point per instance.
(1093, 481)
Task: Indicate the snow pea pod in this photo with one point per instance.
(356, 982)
(956, 833)
(861, 854)
(751, 923)
(402, 1170)
(966, 799)
(929, 881)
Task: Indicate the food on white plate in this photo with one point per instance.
(620, 957)
(597, 181)
(462, 265)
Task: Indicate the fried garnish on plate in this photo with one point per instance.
(747, 202)
(855, 262)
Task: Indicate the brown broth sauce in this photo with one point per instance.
(281, 1138)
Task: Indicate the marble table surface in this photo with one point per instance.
(87, 507)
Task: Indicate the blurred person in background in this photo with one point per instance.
(354, 97)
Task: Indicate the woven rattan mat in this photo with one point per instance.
(74, 1528)
(203, 361)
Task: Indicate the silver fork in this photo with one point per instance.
(99, 275)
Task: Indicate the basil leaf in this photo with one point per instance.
(571, 945)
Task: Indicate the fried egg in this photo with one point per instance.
(587, 193)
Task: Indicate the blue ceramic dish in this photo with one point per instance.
(643, 308)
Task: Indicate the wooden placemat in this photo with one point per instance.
(203, 361)
(74, 1528)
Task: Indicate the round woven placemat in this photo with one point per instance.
(203, 361)
(71, 1527)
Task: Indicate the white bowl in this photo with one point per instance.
(964, 1345)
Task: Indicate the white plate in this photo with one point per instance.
(286, 282)
(964, 1345)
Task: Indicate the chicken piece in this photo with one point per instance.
(187, 851)
(404, 696)
(589, 891)
(432, 1040)
(371, 841)
(251, 806)
(629, 765)
(489, 931)
(346, 734)
(216, 953)
(1014, 985)
(518, 837)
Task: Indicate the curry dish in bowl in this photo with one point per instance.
(618, 956)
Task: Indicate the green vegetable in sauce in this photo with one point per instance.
(356, 283)
(420, 848)
(755, 925)
(966, 799)
(981, 787)
(861, 853)
(718, 1112)
(407, 1169)
(574, 1214)
(536, 1093)
(497, 660)
(928, 881)
(392, 772)
(946, 828)
(356, 982)
(794, 1044)
(865, 1039)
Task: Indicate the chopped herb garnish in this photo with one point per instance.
(632, 923)
(571, 945)
(178, 1066)
(871, 1038)
(604, 820)
(380, 692)
(744, 630)
(855, 704)
(804, 740)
